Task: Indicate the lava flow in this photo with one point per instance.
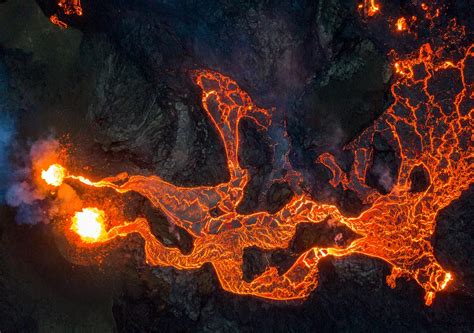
(432, 132)
(429, 127)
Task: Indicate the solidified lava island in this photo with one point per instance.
(215, 166)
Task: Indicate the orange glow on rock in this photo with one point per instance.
(401, 24)
(71, 7)
(89, 224)
(369, 7)
(54, 175)
(56, 21)
(373, 8)
(68, 7)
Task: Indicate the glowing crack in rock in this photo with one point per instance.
(433, 132)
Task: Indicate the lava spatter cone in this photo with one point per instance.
(83, 239)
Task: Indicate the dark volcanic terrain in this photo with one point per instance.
(116, 87)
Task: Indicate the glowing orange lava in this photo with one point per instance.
(56, 21)
(396, 228)
(54, 175)
(401, 24)
(369, 7)
(69, 7)
(89, 224)
(429, 128)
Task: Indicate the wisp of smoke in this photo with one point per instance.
(384, 177)
(7, 132)
(20, 184)
(27, 191)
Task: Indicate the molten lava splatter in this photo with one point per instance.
(89, 224)
(54, 175)
(430, 129)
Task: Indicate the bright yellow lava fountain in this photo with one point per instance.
(54, 176)
(89, 224)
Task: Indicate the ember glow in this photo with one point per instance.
(68, 7)
(89, 224)
(71, 7)
(401, 24)
(429, 129)
(369, 7)
(56, 21)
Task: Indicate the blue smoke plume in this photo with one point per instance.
(7, 133)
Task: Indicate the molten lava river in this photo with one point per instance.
(431, 130)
